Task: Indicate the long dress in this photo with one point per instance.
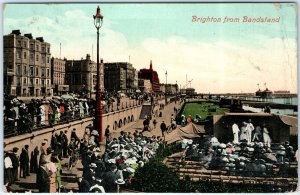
(43, 114)
(235, 131)
(267, 139)
(58, 175)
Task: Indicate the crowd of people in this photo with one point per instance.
(243, 158)
(44, 161)
(20, 118)
(122, 156)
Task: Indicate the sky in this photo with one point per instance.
(216, 57)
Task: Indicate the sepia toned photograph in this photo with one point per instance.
(140, 97)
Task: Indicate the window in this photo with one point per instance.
(37, 57)
(37, 47)
(18, 81)
(19, 43)
(25, 70)
(37, 71)
(37, 81)
(43, 82)
(48, 72)
(31, 71)
(19, 54)
(24, 54)
(48, 49)
(18, 69)
(48, 59)
(25, 44)
(43, 49)
(48, 82)
(24, 81)
(43, 72)
(43, 59)
(31, 46)
(31, 81)
(31, 56)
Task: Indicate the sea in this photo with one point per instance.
(277, 100)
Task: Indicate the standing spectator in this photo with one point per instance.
(64, 143)
(154, 123)
(11, 117)
(34, 160)
(42, 177)
(8, 167)
(75, 137)
(57, 162)
(24, 162)
(15, 163)
(163, 128)
(43, 114)
(109, 180)
(107, 134)
(32, 108)
(50, 114)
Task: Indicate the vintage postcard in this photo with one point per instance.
(150, 97)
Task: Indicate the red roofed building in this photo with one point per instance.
(150, 74)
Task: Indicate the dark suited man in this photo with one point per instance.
(24, 162)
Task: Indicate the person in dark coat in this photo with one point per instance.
(107, 135)
(24, 162)
(65, 142)
(109, 180)
(163, 128)
(15, 163)
(74, 135)
(43, 177)
(34, 160)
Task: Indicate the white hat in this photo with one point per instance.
(93, 165)
(120, 181)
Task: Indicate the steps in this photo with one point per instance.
(146, 110)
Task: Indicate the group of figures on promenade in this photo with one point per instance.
(21, 117)
(44, 161)
(101, 172)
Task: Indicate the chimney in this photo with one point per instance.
(16, 32)
(28, 35)
(41, 39)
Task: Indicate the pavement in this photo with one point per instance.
(70, 177)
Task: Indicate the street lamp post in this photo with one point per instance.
(98, 20)
(166, 100)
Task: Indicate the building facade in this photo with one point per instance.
(150, 74)
(81, 76)
(169, 88)
(120, 76)
(26, 65)
(58, 67)
(145, 86)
